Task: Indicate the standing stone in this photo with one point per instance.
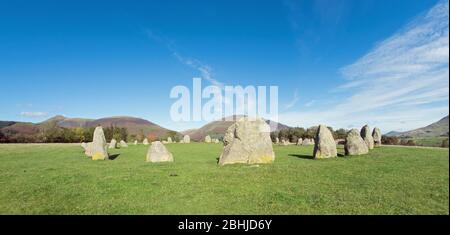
(285, 142)
(307, 142)
(324, 146)
(367, 137)
(145, 142)
(354, 143)
(84, 146)
(169, 140)
(88, 149)
(208, 139)
(376, 135)
(123, 144)
(186, 139)
(99, 145)
(181, 141)
(135, 142)
(277, 140)
(113, 144)
(247, 141)
(299, 141)
(216, 141)
(158, 153)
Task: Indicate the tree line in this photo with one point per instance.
(293, 134)
(393, 140)
(52, 133)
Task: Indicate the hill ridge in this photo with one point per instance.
(218, 127)
(436, 129)
(134, 125)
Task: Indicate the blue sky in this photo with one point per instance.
(343, 63)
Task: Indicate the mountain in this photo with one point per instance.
(6, 123)
(75, 122)
(393, 133)
(22, 128)
(134, 125)
(437, 129)
(218, 128)
(67, 122)
(53, 119)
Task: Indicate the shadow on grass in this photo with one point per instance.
(303, 156)
(310, 157)
(113, 157)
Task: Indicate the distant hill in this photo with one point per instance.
(218, 128)
(53, 119)
(437, 129)
(21, 128)
(70, 122)
(134, 125)
(393, 133)
(6, 123)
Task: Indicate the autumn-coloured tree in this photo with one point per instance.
(152, 137)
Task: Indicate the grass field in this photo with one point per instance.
(428, 141)
(59, 179)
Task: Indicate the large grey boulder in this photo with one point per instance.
(123, 144)
(324, 146)
(376, 135)
(84, 145)
(99, 149)
(247, 141)
(307, 141)
(145, 142)
(299, 141)
(208, 139)
(158, 153)
(186, 139)
(354, 143)
(113, 144)
(88, 149)
(367, 137)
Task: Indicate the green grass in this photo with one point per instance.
(428, 141)
(59, 179)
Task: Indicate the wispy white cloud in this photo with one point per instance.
(400, 84)
(27, 105)
(293, 101)
(33, 114)
(204, 69)
(310, 103)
